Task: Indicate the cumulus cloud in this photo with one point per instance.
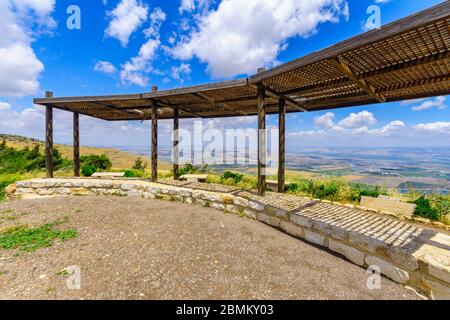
(31, 122)
(240, 36)
(179, 73)
(325, 121)
(358, 120)
(352, 121)
(136, 70)
(438, 103)
(19, 66)
(126, 18)
(5, 106)
(355, 124)
(434, 128)
(105, 67)
(187, 5)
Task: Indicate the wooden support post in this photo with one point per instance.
(154, 138)
(76, 144)
(261, 141)
(176, 143)
(281, 144)
(49, 137)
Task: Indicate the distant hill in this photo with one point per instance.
(120, 159)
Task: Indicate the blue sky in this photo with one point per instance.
(126, 46)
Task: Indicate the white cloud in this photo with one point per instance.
(137, 69)
(105, 67)
(354, 125)
(157, 17)
(180, 72)
(434, 128)
(19, 66)
(31, 122)
(187, 5)
(391, 128)
(4, 106)
(438, 103)
(358, 120)
(241, 36)
(326, 121)
(126, 18)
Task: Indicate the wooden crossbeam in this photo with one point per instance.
(412, 84)
(272, 93)
(383, 71)
(224, 105)
(346, 70)
(407, 65)
(127, 112)
(173, 107)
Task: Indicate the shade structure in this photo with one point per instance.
(404, 60)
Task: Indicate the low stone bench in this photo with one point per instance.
(412, 256)
(108, 175)
(194, 177)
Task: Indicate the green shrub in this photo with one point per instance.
(187, 169)
(140, 164)
(425, 210)
(87, 170)
(334, 190)
(99, 162)
(20, 161)
(134, 173)
(233, 176)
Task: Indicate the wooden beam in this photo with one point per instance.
(173, 107)
(49, 137)
(271, 93)
(213, 101)
(176, 144)
(281, 144)
(154, 159)
(345, 69)
(261, 141)
(76, 144)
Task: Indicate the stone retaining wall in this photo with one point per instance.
(412, 256)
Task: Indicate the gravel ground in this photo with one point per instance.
(140, 249)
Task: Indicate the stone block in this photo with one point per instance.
(438, 266)
(388, 269)
(367, 242)
(279, 213)
(389, 205)
(79, 191)
(292, 229)
(354, 255)
(437, 291)
(315, 238)
(270, 220)
(301, 220)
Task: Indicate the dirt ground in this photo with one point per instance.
(140, 249)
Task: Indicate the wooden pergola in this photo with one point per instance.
(406, 59)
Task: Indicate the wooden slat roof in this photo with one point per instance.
(406, 59)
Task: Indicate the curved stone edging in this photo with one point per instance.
(412, 256)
